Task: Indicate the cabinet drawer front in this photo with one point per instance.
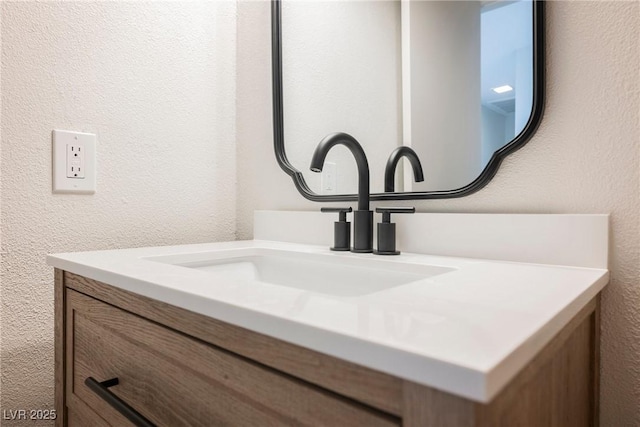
(80, 415)
(174, 380)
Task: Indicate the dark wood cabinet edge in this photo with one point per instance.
(595, 362)
(59, 349)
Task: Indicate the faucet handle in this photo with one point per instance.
(387, 230)
(386, 212)
(341, 211)
(341, 229)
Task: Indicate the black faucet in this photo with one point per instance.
(392, 162)
(362, 217)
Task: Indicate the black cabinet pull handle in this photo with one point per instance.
(102, 390)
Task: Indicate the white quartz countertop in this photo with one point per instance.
(467, 331)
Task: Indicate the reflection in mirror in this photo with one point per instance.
(453, 80)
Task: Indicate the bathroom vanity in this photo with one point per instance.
(228, 334)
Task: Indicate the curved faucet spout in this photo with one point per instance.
(340, 138)
(392, 162)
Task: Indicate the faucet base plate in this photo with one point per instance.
(361, 251)
(386, 252)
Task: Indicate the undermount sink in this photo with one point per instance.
(330, 274)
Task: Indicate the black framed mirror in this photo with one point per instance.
(460, 82)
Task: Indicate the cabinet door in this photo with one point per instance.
(175, 380)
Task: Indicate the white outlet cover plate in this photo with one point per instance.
(62, 183)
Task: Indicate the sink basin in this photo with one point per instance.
(321, 273)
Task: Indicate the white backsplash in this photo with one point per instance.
(571, 239)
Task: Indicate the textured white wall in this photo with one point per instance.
(156, 82)
(585, 158)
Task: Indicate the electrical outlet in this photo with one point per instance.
(74, 162)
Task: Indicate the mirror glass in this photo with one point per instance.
(453, 80)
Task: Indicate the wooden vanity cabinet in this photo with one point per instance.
(178, 368)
